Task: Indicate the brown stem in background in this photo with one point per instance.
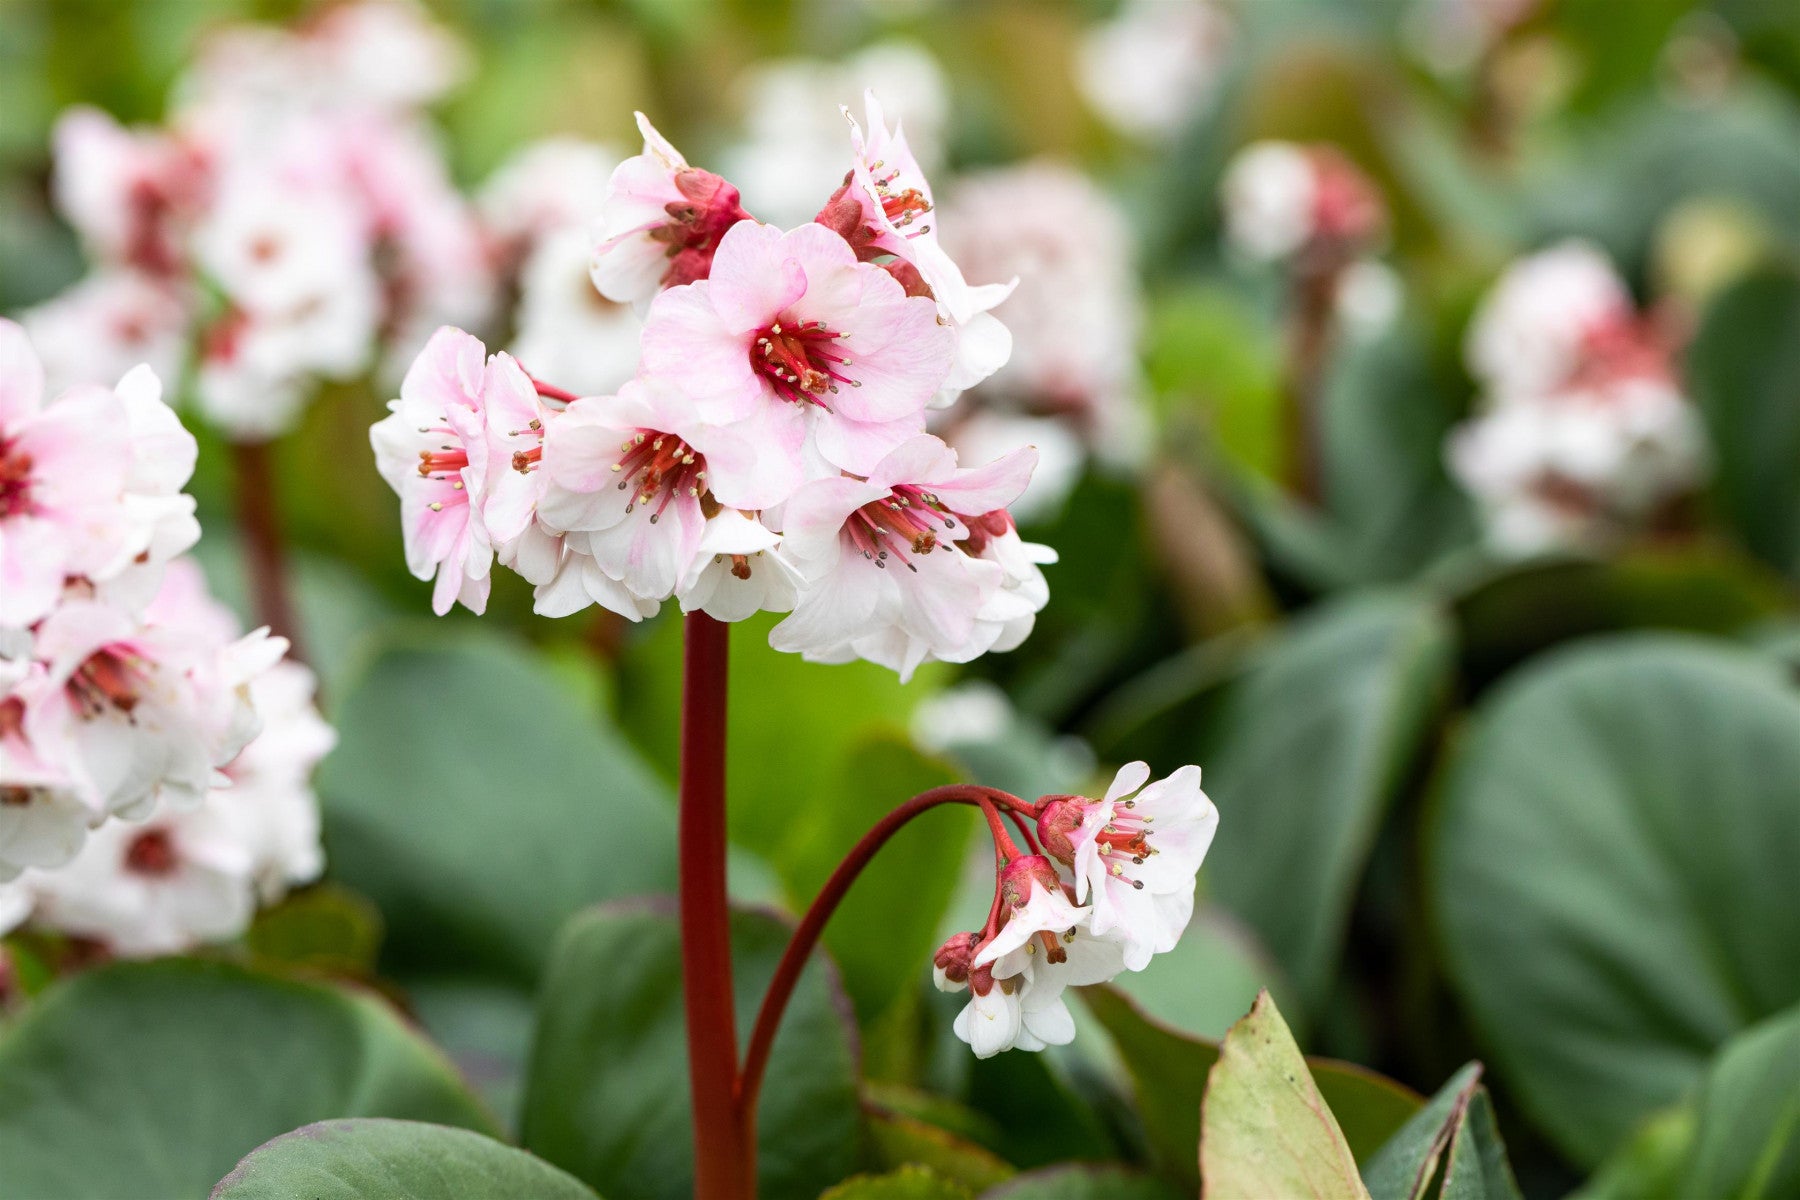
(1315, 299)
(265, 548)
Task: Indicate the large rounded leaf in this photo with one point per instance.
(606, 1097)
(480, 804)
(1614, 876)
(1303, 761)
(392, 1160)
(153, 1079)
(1745, 365)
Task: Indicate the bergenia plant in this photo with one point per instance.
(771, 454)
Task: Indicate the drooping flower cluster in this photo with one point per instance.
(292, 221)
(769, 454)
(1073, 385)
(127, 698)
(1586, 433)
(1108, 885)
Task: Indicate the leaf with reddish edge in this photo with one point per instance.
(1458, 1120)
(908, 1183)
(1264, 1128)
(1169, 1068)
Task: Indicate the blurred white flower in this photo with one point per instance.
(565, 330)
(110, 322)
(1155, 64)
(1284, 200)
(545, 188)
(1531, 329)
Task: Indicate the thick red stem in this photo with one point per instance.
(265, 548)
(723, 1161)
(812, 925)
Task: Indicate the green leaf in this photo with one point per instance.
(476, 802)
(1477, 1169)
(1303, 762)
(1648, 1166)
(152, 1079)
(1169, 1069)
(1520, 610)
(1392, 506)
(1207, 981)
(485, 1028)
(908, 1183)
(1610, 868)
(392, 1160)
(1083, 1182)
(841, 707)
(1264, 1128)
(1747, 1144)
(326, 928)
(883, 934)
(898, 1141)
(606, 1094)
(1745, 369)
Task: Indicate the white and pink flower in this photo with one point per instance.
(1134, 854)
(661, 222)
(792, 325)
(432, 450)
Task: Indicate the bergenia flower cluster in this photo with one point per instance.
(128, 699)
(1310, 210)
(1585, 434)
(770, 452)
(292, 219)
(1107, 885)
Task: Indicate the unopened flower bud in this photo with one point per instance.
(951, 963)
(1057, 825)
(1021, 873)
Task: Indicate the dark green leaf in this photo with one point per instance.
(1403, 1167)
(899, 1141)
(1477, 1169)
(1745, 367)
(1303, 762)
(152, 1079)
(392, 1160)
(1747, 1144)
(606, 1094)
(1264, 1128)
(479, 804)
(1612, 867)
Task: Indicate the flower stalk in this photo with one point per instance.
(723, 1163)
(265, 544)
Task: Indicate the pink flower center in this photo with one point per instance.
(107, 678)
(661, 464)
(443, 462)
(908, 519)
(12, 717)
(801, 361)
(901, 207)
(152, 853)
(15, 481)
(1126, 837)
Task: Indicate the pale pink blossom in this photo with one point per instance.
(111, 321)
(564, 329)
(1284, 199)
(1135, 853)
(127, 192)
(551, 185)
(660, 222)
(270, 799)
(432, 451)
(63, 470)
(1534, 326)
(160, 886)
(886, 208)
(44, 814)
(515, 421)
(794, 326)
(887, 576)
(630, 478)
(1153, 67)
(739, 570)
